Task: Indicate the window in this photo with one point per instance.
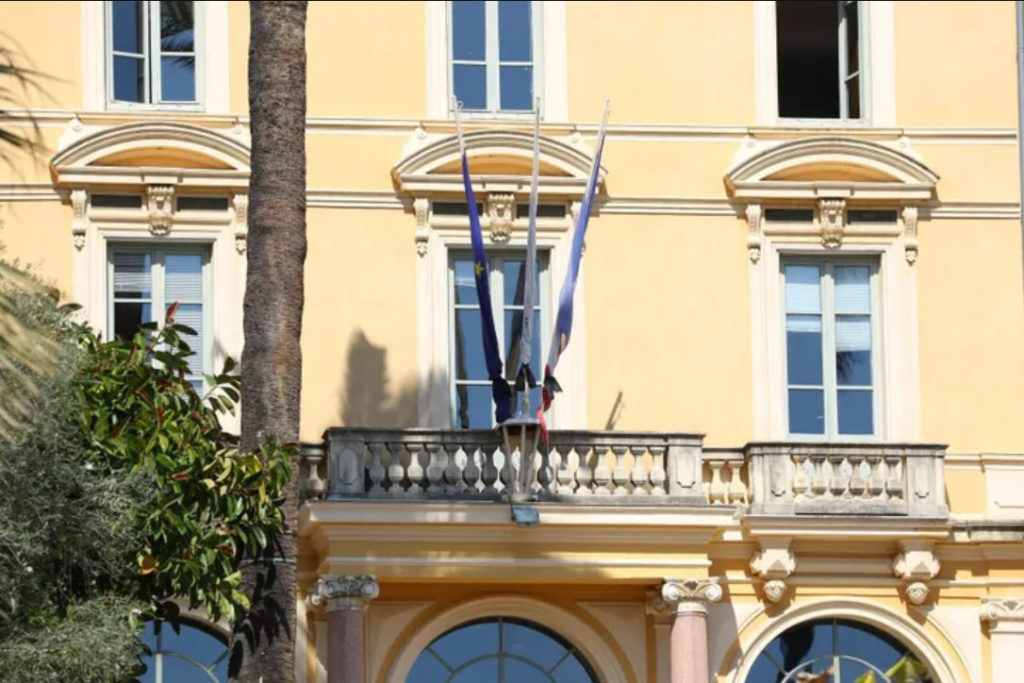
(144, 283)
(500, 649)
(151, 52)
(471, 390)
(830, 331)
(820, 59)
(837, 651)
(493, 55)
(190, 653)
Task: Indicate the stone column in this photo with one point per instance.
(345, 597)
(1005, 617)
(687, 601)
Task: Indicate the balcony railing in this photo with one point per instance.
(628, 468)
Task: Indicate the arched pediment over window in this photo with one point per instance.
(499, 160)
(831, 166)
(129, 154)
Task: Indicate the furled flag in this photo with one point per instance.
(500, 390)
(524, 378)
(563, 322)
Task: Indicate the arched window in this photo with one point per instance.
(196, 652)
(500, 650)
(836, 651)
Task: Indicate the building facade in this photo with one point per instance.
(789, 445)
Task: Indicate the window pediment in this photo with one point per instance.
(499, 160)
(831, 167)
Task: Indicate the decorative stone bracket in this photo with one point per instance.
(343, 591)
(832, 221)
(79, 223)
(240, 202)
(1002, 610)
(916, 564)
(160, 203)
(774, 562)
(501, 212)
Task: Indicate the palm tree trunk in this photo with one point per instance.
(272, 357)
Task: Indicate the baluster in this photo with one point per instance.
(620, 475)
(819, 484)
(584, 474)
(376, 470)
(639, 476)
(505, 471)
(894, 482)
(436, 461)
(857, 476)
(717, 491)
(602, 475)
(415, 470)
(801, 482)
(737, 489)
(837, 482)
(566, 472)
(546, 473)
(396, 470)
(489, 471)
(471, 470)
(454, 471)
(876, 478)
(657, 475)
(314, 485)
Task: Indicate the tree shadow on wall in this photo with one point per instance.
(367, 398)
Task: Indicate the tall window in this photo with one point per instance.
(837, 651)
(151, 52)
(830, 330)
(189, 653)
(145, 282)
(820, 59)
(493, 54)
(500, 649)
(471, 390)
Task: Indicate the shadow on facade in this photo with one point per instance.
(367, 398)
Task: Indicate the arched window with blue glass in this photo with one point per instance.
(194, 651)
(837, 651)
(500, 650)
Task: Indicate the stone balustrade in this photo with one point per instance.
(627, 467)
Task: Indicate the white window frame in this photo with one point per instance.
(495, 261)
(158, 302)
(877, 68)
(830, 385)
(550, 62)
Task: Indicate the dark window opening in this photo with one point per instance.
(455, 208)
(202, 203)
(117, 201)
(789, 215)
(870, 216)
(543, 210)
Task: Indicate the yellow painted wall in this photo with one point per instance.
(45, 37)
(37, 234)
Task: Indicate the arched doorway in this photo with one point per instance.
(836, 651)
(500, 650)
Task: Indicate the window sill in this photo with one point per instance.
(195, 107)
(782, 122)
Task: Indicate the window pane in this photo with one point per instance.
(853, 97)
(517, 88)
(571, 671)
(806, 411)
(521, 672)
(465, 282)
(194, 642)
(191, 315)
(803, 349)
(127, 26)
(529, 643)
(427, 670)
(471, 85)
(807, 44)
(852, 43)
(473, 406)
(855, 412)
(467, 642)
(177, 79)
(869, 644)
(469, 353)
(183, 278)
(129, 79)
(468, 30)
(513, 330)
(514, 31)
(478, 672)
(853, 350)
(128, 316)
(515, 273)
(132, 278)
(176, 27)
(803, 289)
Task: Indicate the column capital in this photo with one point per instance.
(1003, 612)
(343, 591)
(690, 595)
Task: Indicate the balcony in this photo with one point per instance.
(628, 468)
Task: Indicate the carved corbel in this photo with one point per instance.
(500, 210)
(421, 205)
(160, 202)
(754, 235)
(79, 223)
(910, 233)
(774, 562)
(916, 565)
(241, 206)
(832, 221)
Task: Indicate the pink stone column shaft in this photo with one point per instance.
(346, 649)
(689, 647)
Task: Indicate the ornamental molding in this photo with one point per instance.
(421, 206)
(754, 234)
(916, 562)
(917, 592)
(832, 222)
(343, 591)
(79, 222)
(996, 610)
(690, 595)
(160, 205)
(775, 590)
(240, 203)
(501, 214)
(775, 560)
(910, 233)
